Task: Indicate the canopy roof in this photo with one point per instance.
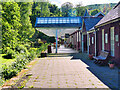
(49, 25)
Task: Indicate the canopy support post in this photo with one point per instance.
(56, 40)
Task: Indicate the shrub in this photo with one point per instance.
(38, 44)
(32, 54)
(0, 51)
(33, 49)
(27, 46)
(7, 72)
(43, 47)
(21, 60)
(11, 70)
(10, 54)
(5, 49)
(21, 49)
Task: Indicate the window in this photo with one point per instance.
(112, 41)
(92, 40)
(45, 21)
(102, 39)
(41, 20)
(49, 20)
(116, 38)
(67, 20)
(89, 41)
(60, 20)
(57, 21)
(75, 20)
(106, 38)
(72, 21)
(78, 21)
(64, 20)
(53, 20)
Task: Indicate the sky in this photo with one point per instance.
(84, 2)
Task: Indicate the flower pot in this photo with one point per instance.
(111, 66)
(90, 56)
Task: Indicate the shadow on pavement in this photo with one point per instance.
(109, 77)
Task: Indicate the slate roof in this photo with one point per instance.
(90, 22)
(114, 13)
(92, 28)
(99, 14)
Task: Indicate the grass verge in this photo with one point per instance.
(4, 61)
(21, 79)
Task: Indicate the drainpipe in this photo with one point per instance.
(82, 44)
(88, 43)
(78, 40)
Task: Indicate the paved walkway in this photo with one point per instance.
(110, 77)
(61, 72)
(71, 71)
(62, 49)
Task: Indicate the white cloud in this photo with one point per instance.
(84, 2)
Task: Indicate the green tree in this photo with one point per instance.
(93, 12)
(10, 24)
(80, 11)
(43, 9)
(65, 8)
(26, 31)
(54, 10)
(72, 13)
(0, 28)
(39, 9)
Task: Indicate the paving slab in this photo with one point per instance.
(61, 72)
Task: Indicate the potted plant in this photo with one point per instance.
(111, 64)
(91, 56)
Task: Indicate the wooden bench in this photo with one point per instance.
(102, 59)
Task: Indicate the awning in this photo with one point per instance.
(49, 25)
